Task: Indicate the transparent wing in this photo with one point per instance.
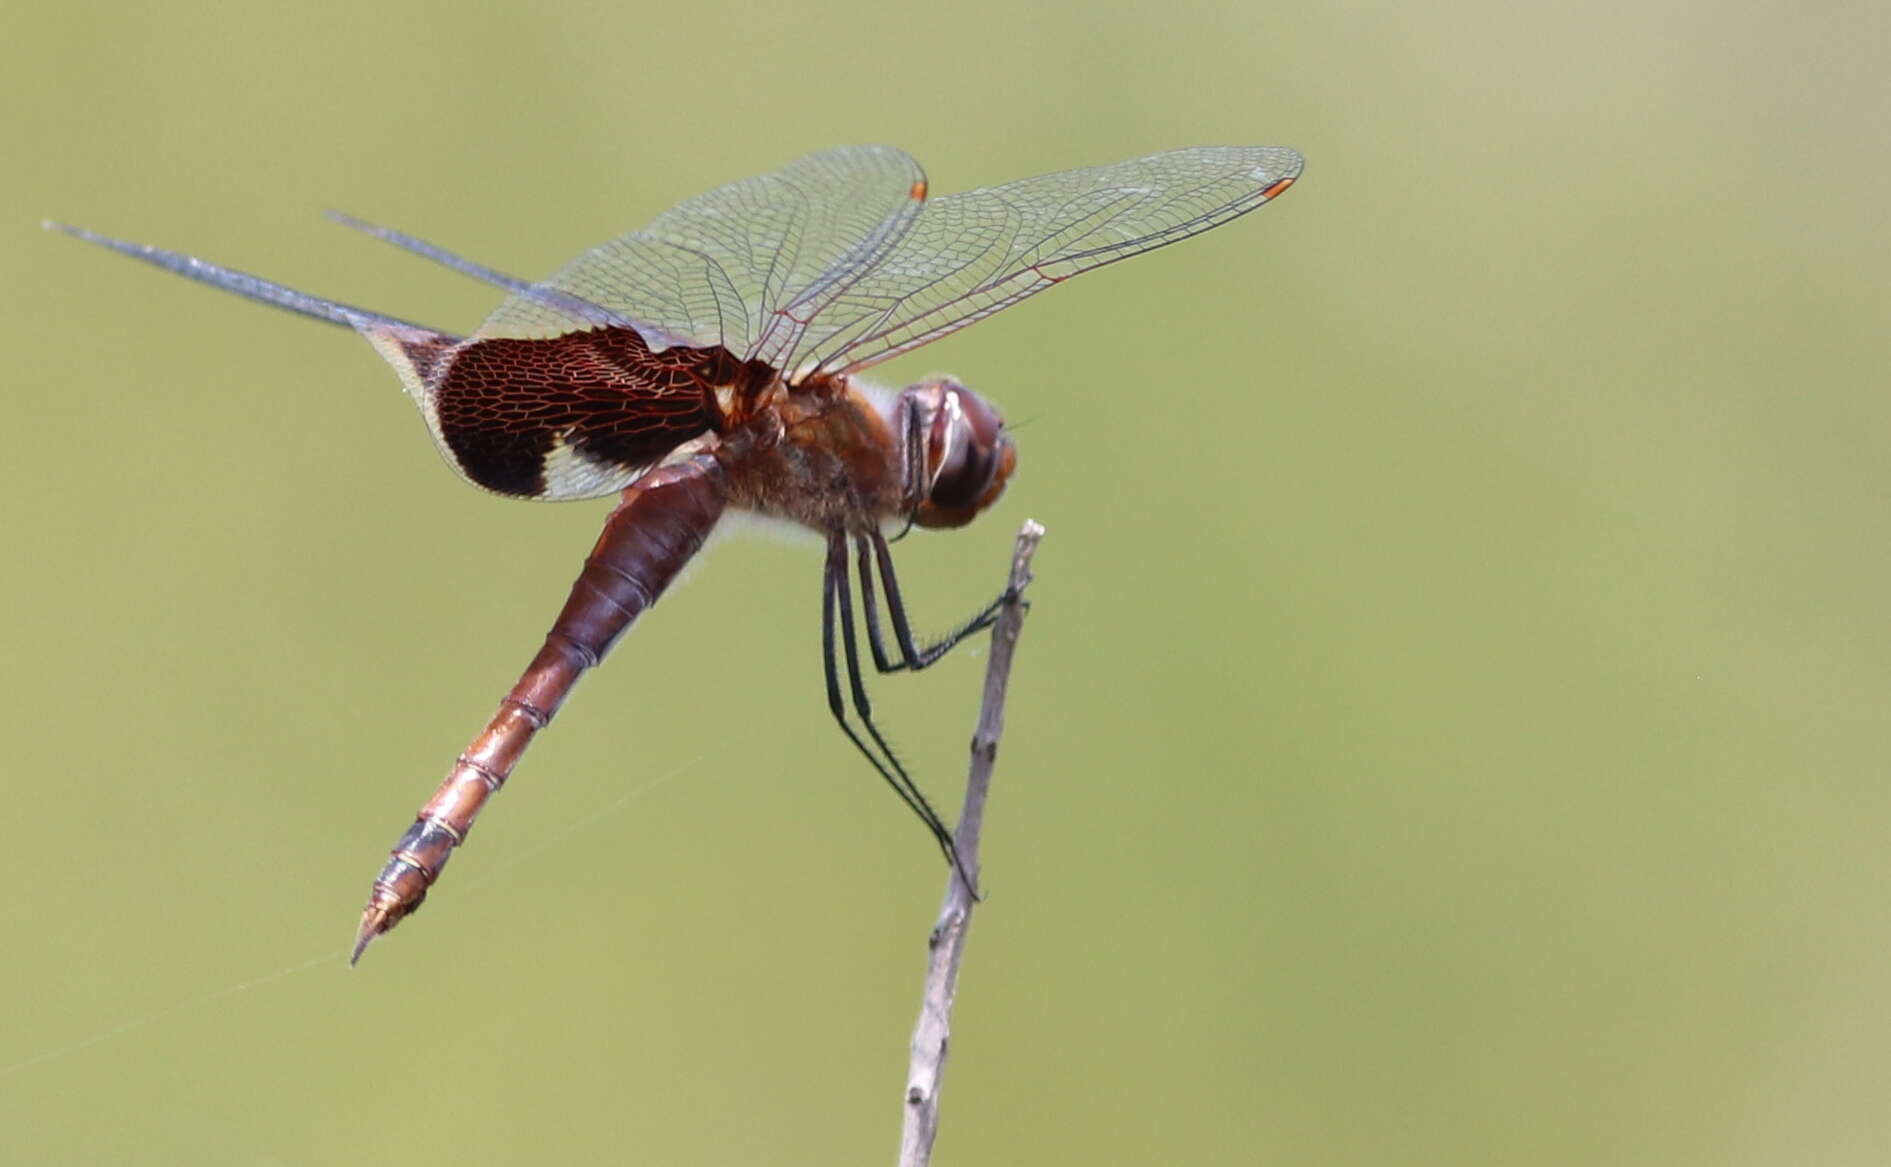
(970, 255)
(744, 266)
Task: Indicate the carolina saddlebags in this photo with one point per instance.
(711, 361)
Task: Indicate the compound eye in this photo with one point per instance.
(965, 452)
(968, 454)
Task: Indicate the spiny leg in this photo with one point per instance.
(911, 655)
(837, 604)
(836, 703)
(844, 607)
(868, 599)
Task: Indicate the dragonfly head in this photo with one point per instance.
(957, 449)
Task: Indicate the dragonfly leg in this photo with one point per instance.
(837, 607)
(912, 656)
(870, 601)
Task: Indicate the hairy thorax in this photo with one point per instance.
(821, 454)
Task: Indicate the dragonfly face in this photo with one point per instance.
(965, 454)
(710, 361)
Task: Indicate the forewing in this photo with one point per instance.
(743, 266)
(970, 255)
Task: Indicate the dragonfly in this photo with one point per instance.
(711, 362)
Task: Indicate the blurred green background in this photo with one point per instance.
(1452, 724)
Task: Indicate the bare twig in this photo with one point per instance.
(931, 1035)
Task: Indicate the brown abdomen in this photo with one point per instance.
(661, 522)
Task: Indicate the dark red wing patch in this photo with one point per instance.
(574, 415)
